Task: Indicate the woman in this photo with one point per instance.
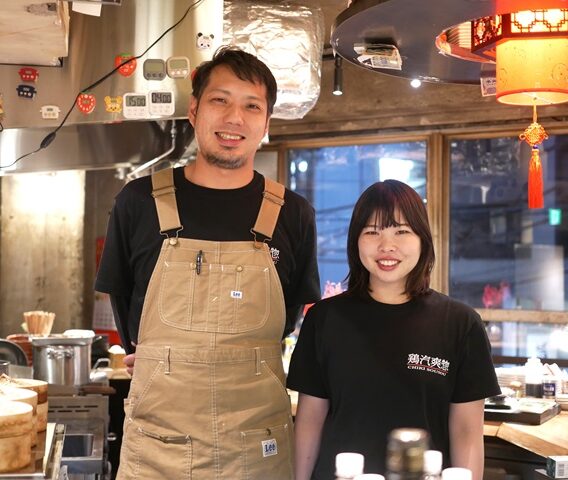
(389, 352)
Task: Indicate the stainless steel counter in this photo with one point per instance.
(83, 448)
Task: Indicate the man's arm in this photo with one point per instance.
(120, 306)
(293, 313)
(466, 436)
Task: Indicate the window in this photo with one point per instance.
(332, 179)
(492, 252)
(506, 260)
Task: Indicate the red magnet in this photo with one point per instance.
(128, 68)
(86, 103)
(28, 74)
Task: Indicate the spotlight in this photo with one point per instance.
(415, 83)
(338, 76)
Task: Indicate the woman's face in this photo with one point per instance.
(389, 255)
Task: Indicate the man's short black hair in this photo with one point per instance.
(244, 65)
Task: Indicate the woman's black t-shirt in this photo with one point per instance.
(389, 366)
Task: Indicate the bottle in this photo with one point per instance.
(432, 465)
(456, 473)
(405, 454)
(348, 465)
(549, 387)
(533, 377)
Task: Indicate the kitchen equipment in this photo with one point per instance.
(39, 322)
(62, 360)
(12, 352)
(86, 424)
(4, 366)
(46, 457)
(24, 342)
(15, 435)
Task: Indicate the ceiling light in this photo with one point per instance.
(415, 83)
(338, 76)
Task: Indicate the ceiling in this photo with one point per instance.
(35, 32)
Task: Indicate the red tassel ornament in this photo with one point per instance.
(534, 135)
(536, 197)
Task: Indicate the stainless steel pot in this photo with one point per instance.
(62, 360)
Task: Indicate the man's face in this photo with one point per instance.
(230, 119)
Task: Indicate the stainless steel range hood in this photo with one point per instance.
(95, 44)
(103, 138)
(95, 146)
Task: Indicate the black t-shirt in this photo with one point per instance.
(389, 366)
(133, 239)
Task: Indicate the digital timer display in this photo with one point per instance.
(178, 63)
(161, 97)
(154, 67)
(135, 100)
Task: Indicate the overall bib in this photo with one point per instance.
(207, 399)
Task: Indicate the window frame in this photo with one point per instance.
(438, 170)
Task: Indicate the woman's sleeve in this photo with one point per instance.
(476, 378)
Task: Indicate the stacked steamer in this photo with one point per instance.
(16, 425)
(12, 394)
(38, 386)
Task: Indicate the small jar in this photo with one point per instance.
(549, 387)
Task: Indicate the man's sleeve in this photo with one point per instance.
(306, 284)
(306, 372)
(114, 275)
(120, 307)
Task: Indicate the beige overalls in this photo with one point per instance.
(207, 399)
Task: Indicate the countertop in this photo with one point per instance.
(549, 438)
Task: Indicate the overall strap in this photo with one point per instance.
(272, 202)
(163, 191)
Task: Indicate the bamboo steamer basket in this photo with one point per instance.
(15, 435)
(38, 386)
(25, 396)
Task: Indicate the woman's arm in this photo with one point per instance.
(310, 416)
(466, 436)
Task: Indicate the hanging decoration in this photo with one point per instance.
(534, 135)
(529, 49)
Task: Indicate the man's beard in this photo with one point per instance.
(231, 163)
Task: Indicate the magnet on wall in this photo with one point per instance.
(28, 74)
(26, 91)
(50, 112)
(128, 68)
(86, 103)
(204, 41)
(113, 104)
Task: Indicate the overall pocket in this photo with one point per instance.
(222, 298)
(153, 453)
(267, 453)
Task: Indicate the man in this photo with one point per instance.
(208, 267)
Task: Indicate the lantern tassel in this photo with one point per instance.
(534, 135)
(535, 189)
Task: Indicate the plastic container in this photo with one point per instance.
(348, 465)
(432, 465)
(456, 473)
(533, 377)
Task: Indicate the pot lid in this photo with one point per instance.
(60, 339)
